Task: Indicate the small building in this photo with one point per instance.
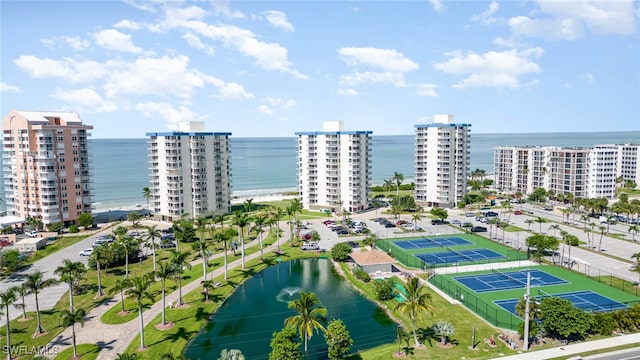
(30, 244)
(373, 261)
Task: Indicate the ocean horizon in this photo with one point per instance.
(267, 165)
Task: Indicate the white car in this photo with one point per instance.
(86, 252)
(32, 233)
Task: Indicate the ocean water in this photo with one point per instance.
(268, 165)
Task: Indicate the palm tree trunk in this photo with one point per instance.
(415, 335)
(70, 296)
(164, 320)
(225, 261)
(278, 236)
(73, 339)
(141, 326)
(242, 250)
(122, 300)
(204, 265)
(100, 292)
(39, 328)
(179, 293)
(261, 249)
(562, 258)
(126, 264)
(8, 332)
(600, 242)
(153, 248)
(569, 260)
(24, 309)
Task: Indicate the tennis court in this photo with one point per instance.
(498, 280)
(459, 256)
(585, 300)
(425, 243)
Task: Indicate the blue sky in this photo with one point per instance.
(263, 68)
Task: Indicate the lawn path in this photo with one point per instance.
(114, 338)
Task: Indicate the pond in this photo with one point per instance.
(258, 308)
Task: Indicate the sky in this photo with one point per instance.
(272, 68)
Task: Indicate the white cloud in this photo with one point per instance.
(278, 19)
(195, 42)
(588, 77)
(568, 20)
(4, 87)
(165, 76)
(426, 89)
(68, 69)
(75, 42)
(221, 7)
(168, 112)
(87, 99)
(437, 5)
(390, 66)
(347, 92)
(112, 39)
(283, 103)
(269, 56)
(228, 90)
(492, 69)
(145, 5)
(264, 109)
(486, 17)
(127, 24)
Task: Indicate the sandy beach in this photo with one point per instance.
(104, 215)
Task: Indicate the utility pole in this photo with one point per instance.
(525, 345)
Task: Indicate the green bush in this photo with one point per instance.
(74, 229)
(384, 289)
(340, 251)
(362, 275)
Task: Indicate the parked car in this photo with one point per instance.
(310, 246)
(32, 233)
(456, 222)
(353, 244)
(491, 214)
(518, 212)
(470, 214)
(4, 242)
(18, 231)
(86, 252)
(167, 230)
(478, 229)
(167, 244)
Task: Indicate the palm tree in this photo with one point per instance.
(21, 291)
(290, 211)
(540, 220)
(202, 245)
(221, 236)
(7, 298)
(398, 178)
(152, 234)
(634, 230)
(277, 214)
(241, 219)
(554, 227)
(179, 262)
(35, 283)
(635, 268)
(415, 218)
(139, 291)
(602, 230)
(119, 287)
(206, 285)
(529, 222)
(70, 318)
(388, 185)
(259, 221)
(570, 240)
(416, 302)
(233, 354)
(146, 194)
(311, 315)
(98, 254)
(126, 356)
(128, 244)
(165, 271)
(248, 205)
(70, 272)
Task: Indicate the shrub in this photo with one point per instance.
(340, 252)
(362, 275)
(74, 229)
(384, 289)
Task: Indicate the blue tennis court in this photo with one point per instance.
(585, 300)
(425, 243)
(498, 280)
(461, 256)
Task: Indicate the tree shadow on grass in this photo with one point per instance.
(181, 333)
(427, 336)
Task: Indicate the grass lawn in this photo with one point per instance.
(390, 193)
(630, 191)
(483, 302)
(84, 351)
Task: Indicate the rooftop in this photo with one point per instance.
(372, 257)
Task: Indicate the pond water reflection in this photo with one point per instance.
(258, 308)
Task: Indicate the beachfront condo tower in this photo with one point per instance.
(46, 165)
(521, 169)
(441, 162)
(190, 172)
(334, 168)
(612, 166)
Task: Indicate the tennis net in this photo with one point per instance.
(434, 241)
(509, 277)
(459, 253)
(543, 294)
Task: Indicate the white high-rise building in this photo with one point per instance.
(334, 168)
(190, 172)
(521, 169)
(441, 162)
(46, 166)
(607, 163)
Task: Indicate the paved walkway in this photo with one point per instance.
(114, 339)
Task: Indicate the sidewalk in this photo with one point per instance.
(114, 338)
(576, 349)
